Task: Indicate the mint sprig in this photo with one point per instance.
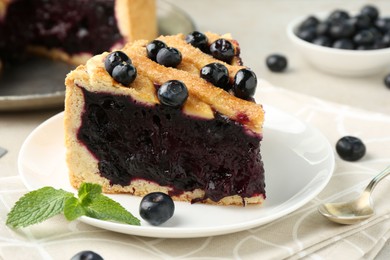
(39, 205)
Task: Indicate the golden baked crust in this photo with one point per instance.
(204, 99)
(3, 7)
(57, 54)
(137, 19)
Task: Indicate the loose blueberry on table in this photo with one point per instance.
(350, 148)
(156, 208)
(387, 81)
(276, 62)
(217, 74)
(87, 255)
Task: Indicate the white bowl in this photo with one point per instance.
(338, 61)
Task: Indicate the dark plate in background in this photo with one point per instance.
(39, 83)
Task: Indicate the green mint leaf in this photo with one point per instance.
(88, 192)
(37, 206)
(104, 208)
(73, 209)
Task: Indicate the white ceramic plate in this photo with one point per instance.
(39, 83)
(298, 162)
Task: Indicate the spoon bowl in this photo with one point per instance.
(354, 211)
(350, 212)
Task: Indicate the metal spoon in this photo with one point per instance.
(353, 211)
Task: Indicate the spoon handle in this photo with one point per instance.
(370, 187)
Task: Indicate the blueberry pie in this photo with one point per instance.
(147, 119)
(72, 30)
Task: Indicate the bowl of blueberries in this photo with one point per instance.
(344, 43)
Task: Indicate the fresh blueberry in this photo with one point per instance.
(198, 40)
(307, 34)
(342, 30)
(222, 50)
(245, 83)
(217, 74)
(338, 16)
(323, 28)
(371, 11)
(310, 21)
(153, 48)
(350, 148)
(169, 57)
(156, 208)
(113, 59)
(383, 24)
(345, 44)
(364, 37)
(87, 255)
(364, 31)
(379, 45)
(323, 40)
(124, 73)
(387, 81)
(276, 62)
(376, 32)
(173, 93)
(364, 47)
(361, 21)
(385, 41)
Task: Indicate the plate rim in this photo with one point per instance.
(187, 232)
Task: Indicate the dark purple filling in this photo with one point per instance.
(75, 26)
(159, 143)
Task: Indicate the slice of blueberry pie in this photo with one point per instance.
(73, 30)
(175, 115)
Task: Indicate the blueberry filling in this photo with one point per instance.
(160, 144)
(73, 26)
